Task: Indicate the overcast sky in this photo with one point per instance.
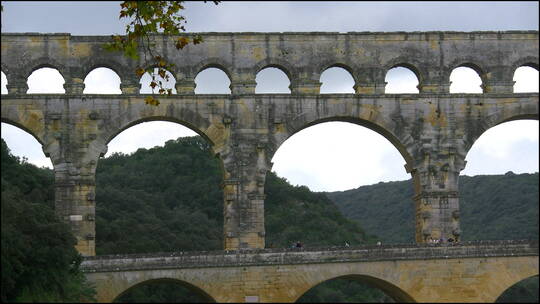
(325, 157)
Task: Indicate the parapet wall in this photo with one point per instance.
(266, 257)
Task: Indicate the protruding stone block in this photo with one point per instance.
(17, 87)
(498, 87)
(185, 87)
(370, 88)
(306, 87)
(243, 87)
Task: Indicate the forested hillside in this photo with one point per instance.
(491, 207)
(170, 199)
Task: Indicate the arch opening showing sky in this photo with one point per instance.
(336, 80)
(102, 81)
(212, 81)
(272, 80)
(45, 80)
(400, 80)
(465, 80)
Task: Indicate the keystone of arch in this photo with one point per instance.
(526, 61)
(213, 62)
(415, 66)
(272, 62)
(90, 64)
(335, 63)
(44, 62)
(477, 64)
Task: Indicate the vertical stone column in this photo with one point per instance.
(434, 82)
(306, 83)
(17, 84)
(75, 160)
(130, 85)
(185, 86)
(437, 195)
(370, 81)
(74, 81)
(74, 86)
(243, 83)
(243, 189)
(498, 79)
(243, 87)
(75, 204)
(305, 86)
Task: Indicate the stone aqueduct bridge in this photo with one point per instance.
(471, 272)
(433, 130)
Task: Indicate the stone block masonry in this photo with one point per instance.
(433, 130)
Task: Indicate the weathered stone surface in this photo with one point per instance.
(432, 130)
(468, 272)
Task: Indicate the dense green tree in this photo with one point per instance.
(170, 198)
(39, 260)
(148, 18)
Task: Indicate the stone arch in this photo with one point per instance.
(477, 65)
(16, 123)
(526, 61)
(189, 285)
(398, 294)
(514, 278)
(411, 69)
(341, 66)
(93, 64)
(48, 147)
(332, 63)
(277, 63)
(511, 285)
(328, 64)
(213, 134)
(194, 124)
(493, 120)
(44, 62)
(213, 62)
(7, 71)
(220, 65)
(519, 84)
(407, 63)
(404, 143)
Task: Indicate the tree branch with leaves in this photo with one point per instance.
(147, 18)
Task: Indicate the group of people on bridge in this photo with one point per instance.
(441, 241)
